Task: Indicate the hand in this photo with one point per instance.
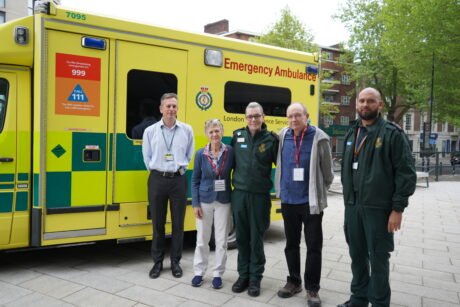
(198, 212)
(394, 221)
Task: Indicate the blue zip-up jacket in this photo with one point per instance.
(204, 175)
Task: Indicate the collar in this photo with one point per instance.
(375, 125)
(162, 124)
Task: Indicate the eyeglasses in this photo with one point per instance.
(251, 117)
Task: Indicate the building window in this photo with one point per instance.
(2, 17)
(328, 75)
(4, 85)
(2, 3)
(328, 97)
(274, 100)
(143, 99)
(328, 56)
(344, 120)
(345, 100)
(346, 79)
(408, 122)
(328, 121)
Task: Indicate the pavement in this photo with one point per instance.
(425, 266)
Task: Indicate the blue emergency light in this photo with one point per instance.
(312, 70)
(93, 43)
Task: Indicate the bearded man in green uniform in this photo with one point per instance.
(255, 152)
(378, 176)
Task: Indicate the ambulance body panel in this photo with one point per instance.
(71, 89)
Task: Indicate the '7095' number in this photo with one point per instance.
(75, 16)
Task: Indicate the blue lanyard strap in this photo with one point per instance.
(168, 148)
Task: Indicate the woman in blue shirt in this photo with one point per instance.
(211, 202)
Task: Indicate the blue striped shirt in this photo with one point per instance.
(154, 146)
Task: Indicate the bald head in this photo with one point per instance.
(372, 91)
(368, 105)
(297, 105)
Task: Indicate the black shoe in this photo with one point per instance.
(176, 269)
(289, 290)
(156, 270)
(240, 285)
(347, 304)
(254, 288)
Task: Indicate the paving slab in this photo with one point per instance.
(425, 267)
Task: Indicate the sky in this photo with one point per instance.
(249, 15)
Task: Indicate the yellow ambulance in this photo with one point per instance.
(72, 87)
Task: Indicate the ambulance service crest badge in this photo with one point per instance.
(203, 99)
(262, 148)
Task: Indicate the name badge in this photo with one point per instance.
(240, 140)
(355, 165)
(219, 185)
(168, 157)
(244, 145)
(298, 174)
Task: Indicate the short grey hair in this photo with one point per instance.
(167, 96)
(212, 123)
(253, 105)
(304, 108)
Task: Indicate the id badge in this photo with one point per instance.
(298, 174)
(240, 140)
(355, 165)
(169, 157)
(219, 185)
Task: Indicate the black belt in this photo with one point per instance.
(167, 174)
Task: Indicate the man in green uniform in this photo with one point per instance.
(378, 176)
(255, 152)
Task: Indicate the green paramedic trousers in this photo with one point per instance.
(369, 243)
(251, 214)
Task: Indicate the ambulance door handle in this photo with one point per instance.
(6, 159)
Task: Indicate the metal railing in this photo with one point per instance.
(434, 163)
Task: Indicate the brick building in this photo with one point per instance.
(340, 92)
(444, 137)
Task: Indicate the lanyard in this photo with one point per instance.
(359, 146)
(168, 148)
(206, 153)
(297, 151)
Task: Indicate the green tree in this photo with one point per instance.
(393, 44)
(289, 32)
(372, 65)
(424, 38)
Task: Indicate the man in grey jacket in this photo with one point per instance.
(303, 176)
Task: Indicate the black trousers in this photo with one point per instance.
(294, 216)
(160, 190)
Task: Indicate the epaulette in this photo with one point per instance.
(398, 127)
(275, 135)
(240, 129)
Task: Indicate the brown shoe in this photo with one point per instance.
(313, 299)
(289, 290)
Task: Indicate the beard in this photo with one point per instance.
(370, 115)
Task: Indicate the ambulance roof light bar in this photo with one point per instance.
(44, 6)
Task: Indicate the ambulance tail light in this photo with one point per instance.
(21, 35)
(213, 57)
(93, 43)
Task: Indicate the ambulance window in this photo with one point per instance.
(274, 100)
(145, 89)
(3, 99)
